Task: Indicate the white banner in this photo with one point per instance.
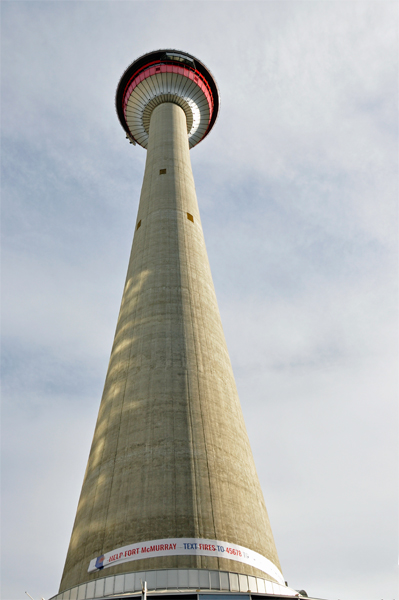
(186, 546)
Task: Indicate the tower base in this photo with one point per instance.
(187, 584)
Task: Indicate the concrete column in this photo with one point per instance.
(170, 456)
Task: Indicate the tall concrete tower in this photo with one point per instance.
(170, 496)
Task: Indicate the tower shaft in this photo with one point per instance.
(170, 456)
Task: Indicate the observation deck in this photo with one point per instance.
(167, 76)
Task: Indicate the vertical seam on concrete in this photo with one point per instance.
(192, 322)
(192, 461)
(210, 483)
(202, 419)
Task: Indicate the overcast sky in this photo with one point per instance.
(297, 187)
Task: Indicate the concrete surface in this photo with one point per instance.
(170, 455)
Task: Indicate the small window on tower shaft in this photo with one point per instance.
(190, 217)
(138, 224)
(162, 171)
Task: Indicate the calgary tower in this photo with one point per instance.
(171, 502)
